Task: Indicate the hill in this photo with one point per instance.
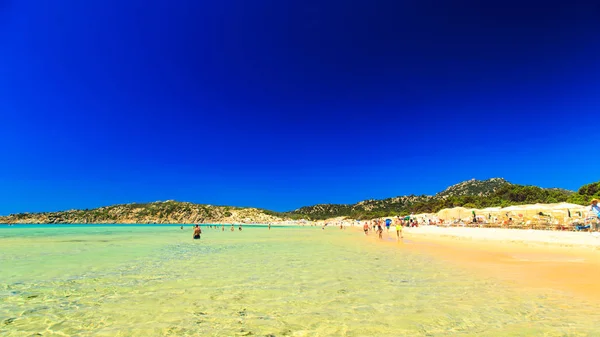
(475, 187)
(472, 193)
(156, 212)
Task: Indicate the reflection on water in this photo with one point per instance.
(294, 282)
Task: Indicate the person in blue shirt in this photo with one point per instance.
(596, 211)
(595, 208)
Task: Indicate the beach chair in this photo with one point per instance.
(556, 225)
(592, 222)
(542, 222)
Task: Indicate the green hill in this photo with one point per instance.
(472, 193)
(475, 187)
(156, 212)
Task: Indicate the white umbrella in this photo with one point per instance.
(454, 213)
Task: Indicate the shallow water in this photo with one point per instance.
(157, 281)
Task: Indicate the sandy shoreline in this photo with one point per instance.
(545, 261)
(561, 238)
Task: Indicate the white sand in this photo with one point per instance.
(512, 235)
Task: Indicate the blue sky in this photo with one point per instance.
(282, 104)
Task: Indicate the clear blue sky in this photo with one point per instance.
(282, 104)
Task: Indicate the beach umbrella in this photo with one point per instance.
(565, 205)
(453, 213)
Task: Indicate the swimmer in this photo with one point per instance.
(240, 228)
(197, 232)
(181, 227)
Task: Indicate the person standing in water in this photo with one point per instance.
(240, 227)
(269, 226)
(197, 232)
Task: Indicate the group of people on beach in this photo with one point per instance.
(378, 224)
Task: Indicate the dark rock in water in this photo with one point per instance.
(9, 320)
(242, 313)
(32, 296)
(342, 291)
(270, 335)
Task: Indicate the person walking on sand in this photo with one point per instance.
(380, 230)
(197, 232)
(399, 230)
(366, 228)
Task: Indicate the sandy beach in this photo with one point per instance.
(567, 262)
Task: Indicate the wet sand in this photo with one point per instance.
(537, 264)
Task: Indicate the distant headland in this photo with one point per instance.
(494, 192)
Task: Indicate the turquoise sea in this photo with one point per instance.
(124, 280)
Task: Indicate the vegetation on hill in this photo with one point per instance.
(471, 194)
(475, 187)
(155, 212)
(495, 192)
